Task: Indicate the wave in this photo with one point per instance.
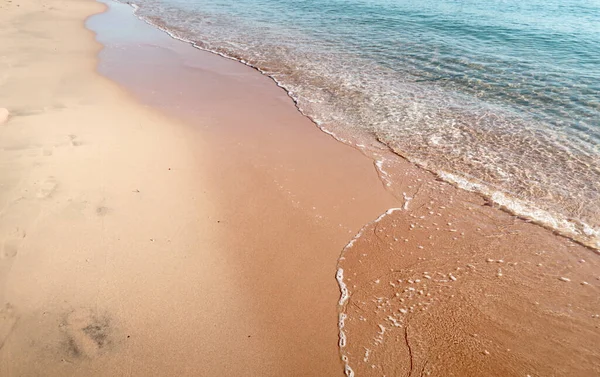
(480, 148)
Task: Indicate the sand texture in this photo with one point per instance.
(135, 245)
(447, 285)
(168, 212)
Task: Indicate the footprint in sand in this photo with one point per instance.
(8, 321)
(74, 141)
(9, 249)
(87, 334)
(102, 211)
(10, 246)
(47, 188)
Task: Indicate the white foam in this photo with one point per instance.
(574, 229)
(339, 276)
(380, 334)
(383, 174)
(407, 200)
(367, 353)
(379, 164)
(345, 294)
(341, 323)
(342, 343)
(347, 370)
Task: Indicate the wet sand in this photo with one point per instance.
(288, 197)
(194, 85)
(189, 222)
(448, 285)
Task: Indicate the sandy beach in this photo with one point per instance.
(130, 248)
(167, 211)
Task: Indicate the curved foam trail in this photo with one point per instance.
(339, 276)
(344, 293)
(421, 279)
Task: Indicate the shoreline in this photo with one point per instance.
(205, 219)
(572, 228)
(478, 212)
(305, 206)
(101, 236)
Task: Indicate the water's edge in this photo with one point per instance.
(579, 232)
(573, 229)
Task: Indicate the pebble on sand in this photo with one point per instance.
(564, 279)
(3, 115)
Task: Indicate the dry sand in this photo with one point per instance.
(105, 242)
(206, 243)
(129, 247)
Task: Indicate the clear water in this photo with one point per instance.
(499, 96)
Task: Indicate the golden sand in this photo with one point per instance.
(189, 222)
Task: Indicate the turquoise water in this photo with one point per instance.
(499, 96)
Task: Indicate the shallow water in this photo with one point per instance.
(501, 97)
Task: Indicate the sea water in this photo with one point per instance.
(497, 96)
